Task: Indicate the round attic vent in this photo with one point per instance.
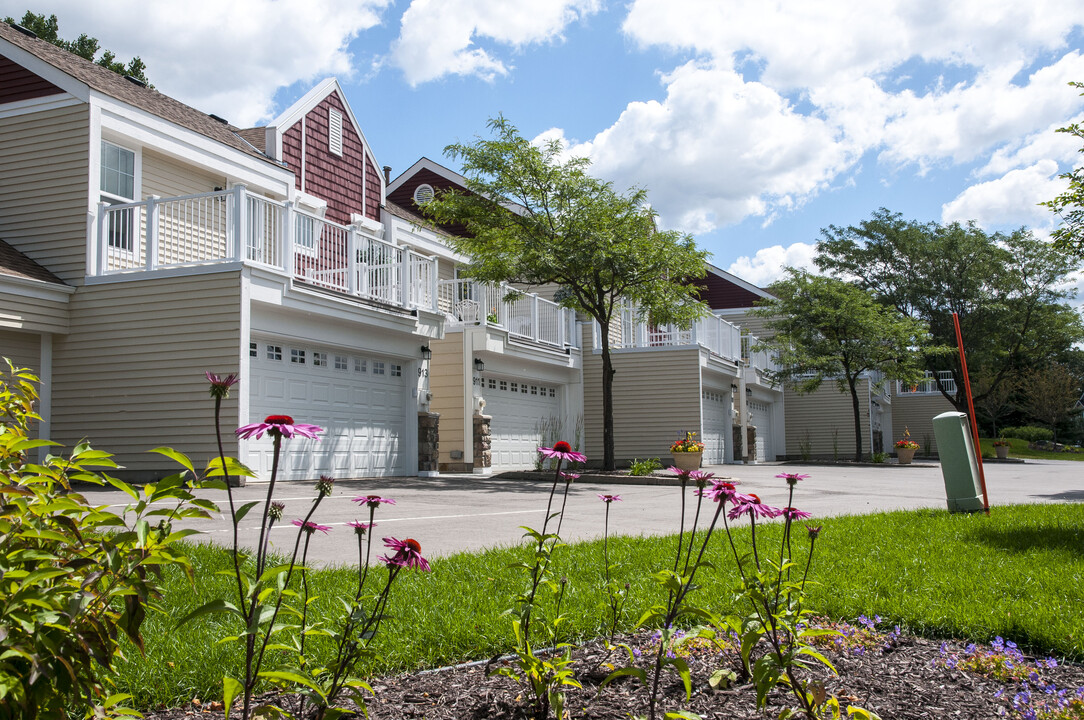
(423, 194)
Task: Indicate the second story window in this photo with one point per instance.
(117, 186)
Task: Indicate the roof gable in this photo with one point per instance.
(721, 290)
(23, 50)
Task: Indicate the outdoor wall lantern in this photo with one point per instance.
(479, 366)
(427, 354)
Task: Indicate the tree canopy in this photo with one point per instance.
(86, 47)
(1007, 289)
(1069, 205)
(536, 218)
(828, 329)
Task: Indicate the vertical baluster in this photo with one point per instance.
(352, 261)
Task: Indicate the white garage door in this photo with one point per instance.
(716, 426)
(519, 411)
(762, 420)
(359, 400)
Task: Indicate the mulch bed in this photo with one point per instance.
(908, 680)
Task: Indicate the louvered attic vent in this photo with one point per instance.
(335, 131)
(423, 194)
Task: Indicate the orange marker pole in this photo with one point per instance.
(971, 411)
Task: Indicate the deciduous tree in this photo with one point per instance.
(828, 329)
(1007, 289)
(536, 218)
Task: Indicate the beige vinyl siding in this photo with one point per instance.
(656, 400)
(446, 385)
(825, 419)
(129, 376)
(23, 349)
(750, 325)
(33, 314)
(166, 177)
(445, 269)
(44, 173)
(916, 413)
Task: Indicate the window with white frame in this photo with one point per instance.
(335, 131)
(118, 186)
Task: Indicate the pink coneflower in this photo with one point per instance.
(220, 386)
(325, 485)
(373, 501)
(562, 451)
(814, 531)
(279, 425)
(570, 477)
(408, 554)
(792, 478)
(360, 527)
(609, 498)
(795, 514)
(683, 475)
(721, 491)
(751, 505)
(311, 527)
(275, 511)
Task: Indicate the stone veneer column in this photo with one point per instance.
(428, 441)
(483, 456)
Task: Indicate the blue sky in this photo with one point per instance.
(751, 125)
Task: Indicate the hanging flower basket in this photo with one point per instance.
(687, 460)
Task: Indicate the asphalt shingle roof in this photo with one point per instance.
(14, 263)
(115, 86)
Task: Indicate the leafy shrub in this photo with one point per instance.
(1029, 433)
(76, 576)
(638, 468)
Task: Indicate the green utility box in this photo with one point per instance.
(959, 463)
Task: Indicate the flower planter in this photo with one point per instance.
(1002, 452)
(905, 455)
(687, 460)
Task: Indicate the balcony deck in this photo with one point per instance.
(526, 316)
(235, 226)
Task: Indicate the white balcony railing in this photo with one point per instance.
(713, 333)
(523, 315)
(197, 230)
(761, 360)
(929, 385)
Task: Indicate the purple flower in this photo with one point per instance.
(752, 506)
(360, 527)
(373, 501)
(562, 451)
(278, 426)
(609, 498)
(795, 514)
(408, 554)
(570, 477)
(311, 527)
(220, 386)
(275, 511)
(814, 531)
(792, 478)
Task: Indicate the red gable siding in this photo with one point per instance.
(18, 83)
(372, 191)
(338, 180)
(404, 194)
(720, 294)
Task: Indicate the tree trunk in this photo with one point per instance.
(608, 460)
(857, 420)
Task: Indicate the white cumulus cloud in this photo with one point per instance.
(1012, 199)
(439, 37)
(225, 58)
(769, 264)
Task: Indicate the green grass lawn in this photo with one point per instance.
(1018, 573)
(1019, 449)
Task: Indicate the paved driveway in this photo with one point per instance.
(455, 513)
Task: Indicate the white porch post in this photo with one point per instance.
(103, 242)
(402, 295)
(352, 261)
(289, 227)
(152, 232)
(240, 221)
(535, 334)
